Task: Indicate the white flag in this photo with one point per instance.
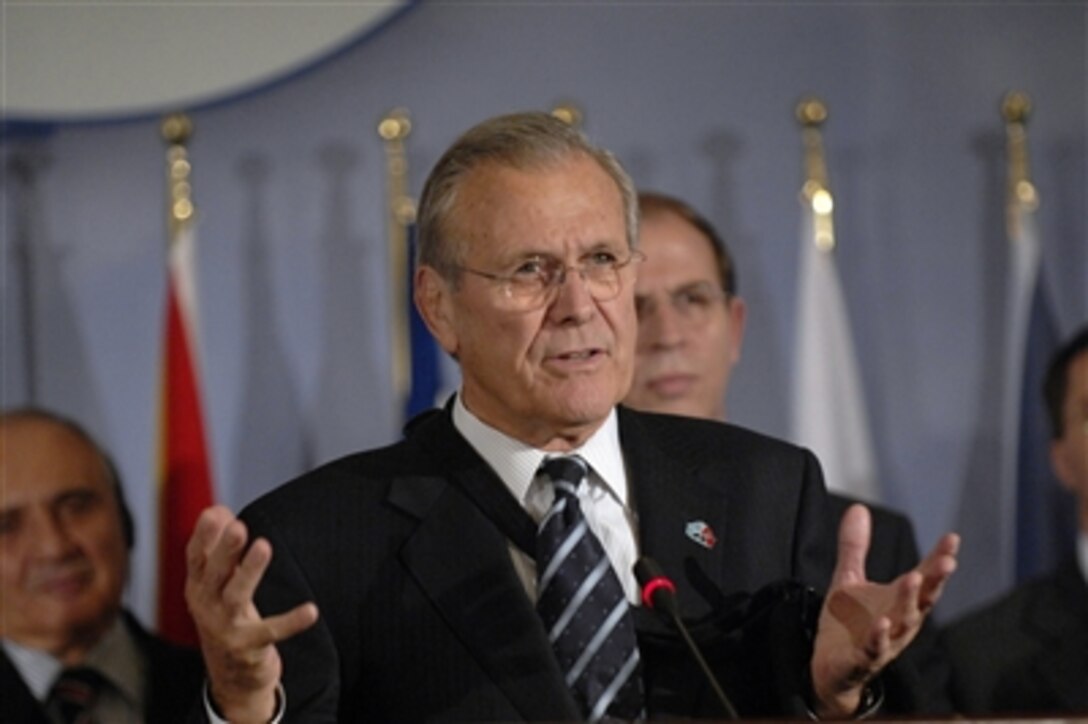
(829, 414)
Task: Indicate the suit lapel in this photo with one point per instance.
(674, 509)
(461, 560)
(19, 705)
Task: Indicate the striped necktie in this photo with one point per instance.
(582, 604)
(74, 695)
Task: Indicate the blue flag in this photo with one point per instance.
(1040, 512)
(1045, 512)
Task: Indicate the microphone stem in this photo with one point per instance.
(726, 705)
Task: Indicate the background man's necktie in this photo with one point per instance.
(581, 602)
(74, 694)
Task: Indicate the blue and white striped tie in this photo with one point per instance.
(582, 604)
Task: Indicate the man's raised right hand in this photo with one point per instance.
(239, 646)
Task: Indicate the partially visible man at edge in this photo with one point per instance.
(1026, 653)
(65, 538)
(420, 556)
(691, 330)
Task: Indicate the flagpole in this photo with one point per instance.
(1015, 109)
(184, 462)
(24, 166)
(811, 114)
(394, 128)
(1023, 251)
(177, 129)
(1030, 514)
(569, 112)
(828, 406)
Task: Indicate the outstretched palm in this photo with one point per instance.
(865, 625)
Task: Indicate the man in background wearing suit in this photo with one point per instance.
(1027, 653)
(413, 582)
(65, 537)
(691, 330)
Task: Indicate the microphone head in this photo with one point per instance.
(658, 590)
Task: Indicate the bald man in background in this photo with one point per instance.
(691, 330)
(68, 648)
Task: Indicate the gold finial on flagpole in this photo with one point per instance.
(811, 113)
(569, 113)
(177, 129)
(395, 125)
(394, 128)
(1021, 193)
(1015, 109)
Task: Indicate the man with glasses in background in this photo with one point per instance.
(691, 330)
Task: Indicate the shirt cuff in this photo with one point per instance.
(277, 717)
(872, 698)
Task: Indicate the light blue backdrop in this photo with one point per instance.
(697, 99)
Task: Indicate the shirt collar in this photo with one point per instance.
(517, 463)
(115, 656)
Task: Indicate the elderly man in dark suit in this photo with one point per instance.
(1027, 653)
(68, 646)
(455, 572)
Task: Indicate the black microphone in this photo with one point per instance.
(659, 595)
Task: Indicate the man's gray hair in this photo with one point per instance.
(522, 141)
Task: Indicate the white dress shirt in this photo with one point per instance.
(604, 499)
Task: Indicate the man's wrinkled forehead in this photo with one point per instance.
(32, 447)
(481, 189)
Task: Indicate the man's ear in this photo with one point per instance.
(738, 315)
(1062, 470)
(433, 297)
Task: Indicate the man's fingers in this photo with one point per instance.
(879, 644)
(907, 614)
(285, 625)
(945, 550)
(936, 569)
(242, 585)
(224, 555)
(209, 527)
(854, 535)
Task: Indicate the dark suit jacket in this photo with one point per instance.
(175, 680)
(422, 614)
(1026, 653)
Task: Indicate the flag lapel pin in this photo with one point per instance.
(701, 533)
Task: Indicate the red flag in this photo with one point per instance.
(184, 471)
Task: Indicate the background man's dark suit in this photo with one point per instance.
(175, 676)
(1027, 652)
(422, 613)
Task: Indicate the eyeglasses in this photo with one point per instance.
(693, 303)
(536, 280)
